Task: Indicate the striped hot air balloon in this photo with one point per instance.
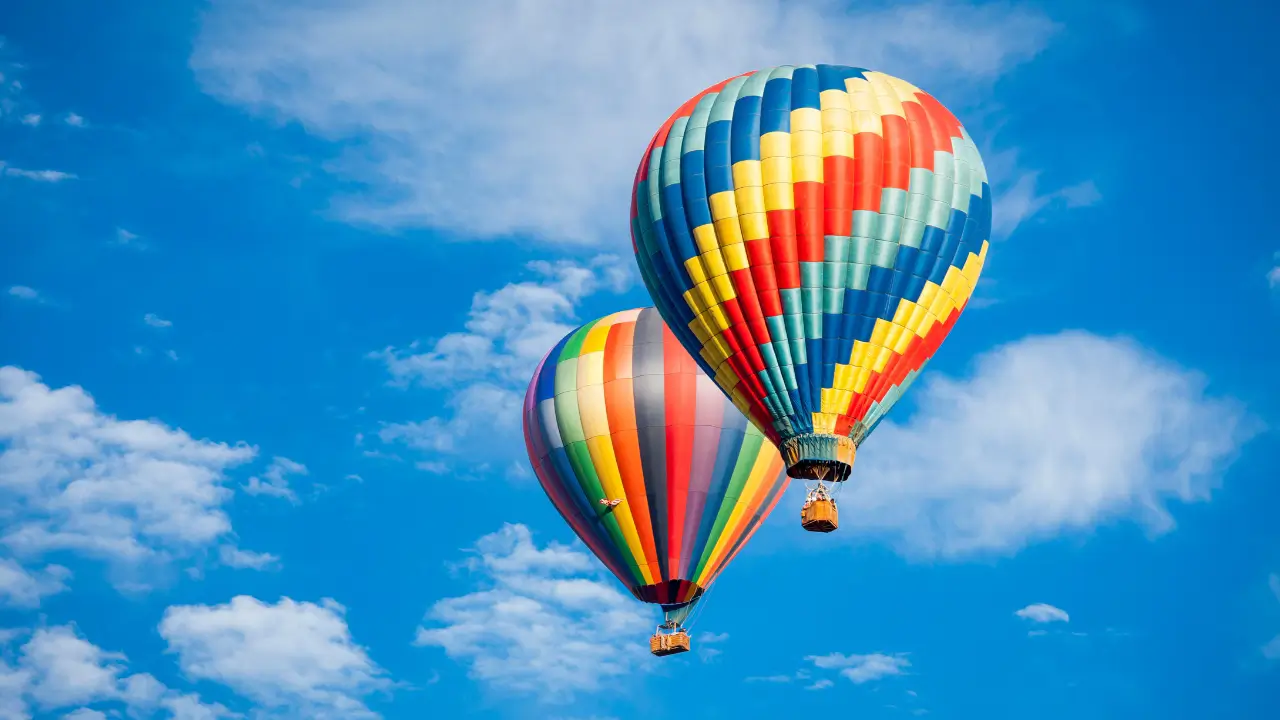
(811, 234)
(649, 463)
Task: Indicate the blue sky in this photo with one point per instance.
(274, 280)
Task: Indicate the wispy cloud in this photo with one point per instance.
(48, 176)
(705, 647)
(74, 120)
(1271, 650)
(274, 481)
(1043, 613)
(23, 588)
(128, 239)
(22, 292)
(1273, 275)
(1019, 197)
(991, 462)
(488, 363)
(31, 119)
(769, 679)
(499, 629)
(371, 72)
(232, 556)
(861, 669)
(822, 684)
(156, 321)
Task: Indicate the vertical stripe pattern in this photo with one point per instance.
(811, 234)
(618, 410)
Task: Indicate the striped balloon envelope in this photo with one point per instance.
(644, 457)
(812, 233)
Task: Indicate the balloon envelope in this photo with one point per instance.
(618, 410)
(811, 234)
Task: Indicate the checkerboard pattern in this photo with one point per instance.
(812, 233)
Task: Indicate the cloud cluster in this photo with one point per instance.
(861, 669)
(489, 362)
(1047, 435)
(556, 90)
(129, 492)
(297, 658)
(290, 659)
(544, 621)
(58, 670)
(857, 669)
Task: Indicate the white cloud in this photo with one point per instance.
(85, 714)
(478, 409)
(156, 321)
(822, 684)
(543, 621)
(1018, 196)
(862, 668)
(1049, 434)
(507, 332)
(24, 588)
(1273, 275)
(275, 481)
(769, 679)
(705, 646)
(57, 669)
(144, 695)
(555, 91)
(49, 176)
(74, 120)
(126, 238)
(1271, 650)
(1043, 613)
(23, 292)
(232, 556)
(1081, 194)
(127, 491)
(67, 670)
(292, 657)
(31, 119)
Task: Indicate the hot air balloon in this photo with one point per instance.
(811, 234)
(649, 463)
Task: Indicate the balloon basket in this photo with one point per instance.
(663, 644)
(820, 515)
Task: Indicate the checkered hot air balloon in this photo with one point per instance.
(649, 463)
(811, 234)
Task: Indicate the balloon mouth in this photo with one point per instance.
(669, 594)
(819, 456)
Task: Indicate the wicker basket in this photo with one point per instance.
(663, 644)
(820, 516)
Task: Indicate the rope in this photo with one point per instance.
(702, 605)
